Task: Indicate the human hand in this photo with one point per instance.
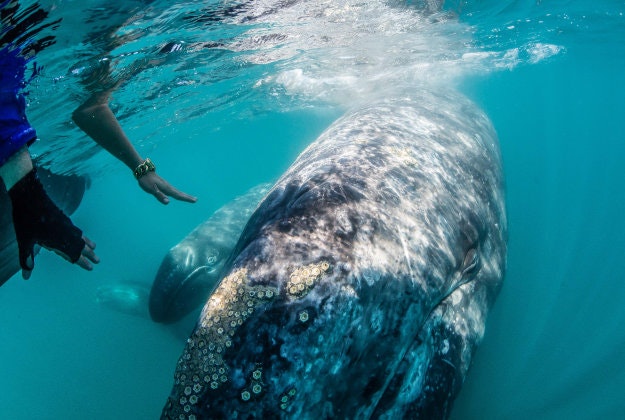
(87, 256)
(37, 220)
(153, 184)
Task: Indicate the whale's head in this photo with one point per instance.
(184, 279)
(361, 284)
(191, 269)
(296, 331)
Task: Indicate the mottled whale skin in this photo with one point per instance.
(191, 269)
(360, 286)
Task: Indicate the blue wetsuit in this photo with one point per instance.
(15, 131)
(16, 36)
(36, 219)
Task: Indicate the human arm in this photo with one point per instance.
(16, 168)
(37, 220)
(97, 120)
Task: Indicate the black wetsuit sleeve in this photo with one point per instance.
(37, 220)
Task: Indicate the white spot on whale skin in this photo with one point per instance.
(377, 319)
(370, 276)
(336, 369)
(456, 298)
(343, 223)
(445, 348)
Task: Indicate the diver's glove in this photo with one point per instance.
(37, 220)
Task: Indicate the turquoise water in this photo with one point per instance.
(218, 121)
(554, 344)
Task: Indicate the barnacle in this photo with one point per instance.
(303, 316)
(303, 279)
(234, 300)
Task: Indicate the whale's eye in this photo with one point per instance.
(211, 260)
(471, 260)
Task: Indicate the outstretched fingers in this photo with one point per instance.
(88, 255)
(160, 196)
(177, 194)
(162, 190)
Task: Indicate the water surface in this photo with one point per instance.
(223, 99)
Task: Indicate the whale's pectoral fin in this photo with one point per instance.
(124, 297)
(434, 367)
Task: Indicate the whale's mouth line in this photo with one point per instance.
(193, 274)
(419, 332)
(173, 297)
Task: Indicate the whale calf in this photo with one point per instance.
(360, 286)
(191, 269)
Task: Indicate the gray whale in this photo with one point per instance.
(190, 270)
(360, 286)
